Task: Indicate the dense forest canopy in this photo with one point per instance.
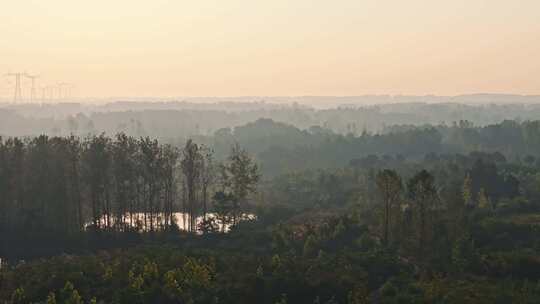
(271, 204)
(170, 120)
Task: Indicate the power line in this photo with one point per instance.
(59, 91)
(33, 88)
(17, 96)
(65, 90)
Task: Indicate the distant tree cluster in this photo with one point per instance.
(283, 148)
(66, 185)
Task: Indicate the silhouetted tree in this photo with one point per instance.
(423, 198)
(389, 185)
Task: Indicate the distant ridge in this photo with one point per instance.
(307, 100)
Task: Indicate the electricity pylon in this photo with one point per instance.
(65, 88)
(47, 93)
(43, 90)
(33, 89)
(17, 96)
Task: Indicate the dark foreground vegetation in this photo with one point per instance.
(415, 215)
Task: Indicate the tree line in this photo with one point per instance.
(67, 185)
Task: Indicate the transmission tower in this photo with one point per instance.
(46, 93)
(17, 96)
(64, 90)
(33, 89)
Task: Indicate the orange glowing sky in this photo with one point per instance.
(278, 47)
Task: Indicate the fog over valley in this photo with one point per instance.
(270, 152)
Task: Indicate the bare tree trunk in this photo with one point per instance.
(184, 210)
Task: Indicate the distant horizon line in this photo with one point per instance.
(383, 95)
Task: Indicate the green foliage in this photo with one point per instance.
(69, 295)
(462, 254)
(339, 229)
(259, 272)
(283, 300)
(483, 200)
(276, 263)
(310, 246)
(108, 274)
(18, 296)
(359, 295)
(51, 298)
(190, 283)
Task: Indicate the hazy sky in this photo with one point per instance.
(274, 47)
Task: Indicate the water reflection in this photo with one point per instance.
(144, 222)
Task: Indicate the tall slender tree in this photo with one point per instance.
(96, 174)
(423, 195)
(390, 187)
(191, 164)
(240, 175)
